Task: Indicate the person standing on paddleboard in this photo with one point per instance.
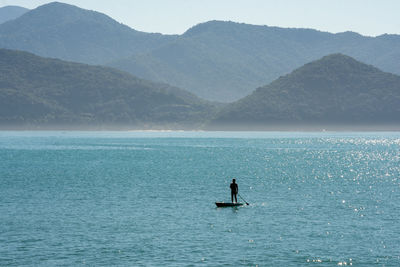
(234, 190)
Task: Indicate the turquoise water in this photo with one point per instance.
(147, 199)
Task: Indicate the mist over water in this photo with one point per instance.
(147, 198)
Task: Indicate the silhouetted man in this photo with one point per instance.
(234, 190)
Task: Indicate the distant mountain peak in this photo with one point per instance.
(56, 3)
(71, 33)
(390, 37)
(59, 5)
(55, 18)
(57, 12)
(11, 12)
(349, 34)
(54, 6)
(13, 7)
(334, 64)
(334, 90)
(336, 57)
(214, 26)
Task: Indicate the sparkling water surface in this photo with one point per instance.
(147, 199)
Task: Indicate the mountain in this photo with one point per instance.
(224, 61)
(216, 60)
(38, 92)
(334, 91)
(11, 12)
(70, 33)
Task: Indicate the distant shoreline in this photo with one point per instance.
(239, 129)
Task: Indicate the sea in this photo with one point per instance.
(71, 198)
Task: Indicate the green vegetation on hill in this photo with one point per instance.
(11, 12)
(216, 60)
(70, 33)
(225, 61)
(41, 92)
(335, 90)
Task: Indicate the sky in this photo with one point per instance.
(367, 17)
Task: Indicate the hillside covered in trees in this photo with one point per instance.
(38, 92)
(333, 92)
(217, 60)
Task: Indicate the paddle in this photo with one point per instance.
(243, 199)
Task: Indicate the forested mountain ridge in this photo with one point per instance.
(11, 12)
(225, 60)
(216, 60)
(38, 92)
(333, 91)
(70, 33)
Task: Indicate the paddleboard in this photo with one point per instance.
(229, 204)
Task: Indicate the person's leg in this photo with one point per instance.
(232, 197)
(236, 198)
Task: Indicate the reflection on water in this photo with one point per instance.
(134, 198)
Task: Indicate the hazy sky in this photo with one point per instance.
(368, 17)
